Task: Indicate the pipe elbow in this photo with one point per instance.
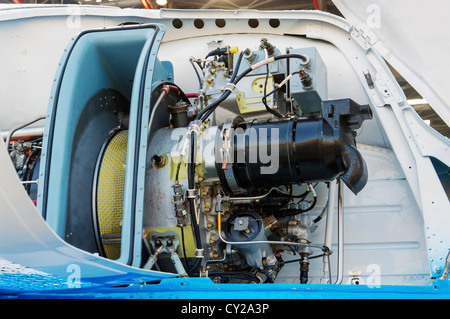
(356, 174)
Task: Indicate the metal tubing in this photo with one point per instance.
(25, 133)
(447, 268)
(10, 134)
(255, 242)
(177, 262)
(340, 266)
(153, 258)
(329, 231)
(29, 182)
(161, 96)
(248, 199)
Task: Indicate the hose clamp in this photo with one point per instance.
(230, 87)
(199, 253)
(226, 151)
(192, 193)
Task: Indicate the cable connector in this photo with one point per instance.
(326, 251)
(306, 63)
(194, 127)
(167, 88)
(230, 87)
(219, 205)
(310, 188)
(305, 79)
(217, 52)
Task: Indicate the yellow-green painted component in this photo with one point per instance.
(254, 104)
(251, 104)
(174, 161)
(110, 194)
(182, 174)
(258, 85)
(189, 241)
(234, 50)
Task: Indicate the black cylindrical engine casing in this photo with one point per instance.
(303, 149)
(248, 138)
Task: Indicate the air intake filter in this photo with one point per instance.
(109, 187)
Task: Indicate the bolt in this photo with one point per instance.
(437, 269)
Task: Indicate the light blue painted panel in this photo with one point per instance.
(93, 61)
(149, 72)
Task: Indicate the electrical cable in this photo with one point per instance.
(184, 249)
(286, 80)
(264, 98)
(29, 168)
(324, 211)
(198, 75)
(178, 168)
(210, 108)
(313, 204)
(301, 196)
(296, 211)
(300, 259)
(191, 185)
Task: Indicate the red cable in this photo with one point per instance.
(145, 3)
(316, 4)
(167, 87)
